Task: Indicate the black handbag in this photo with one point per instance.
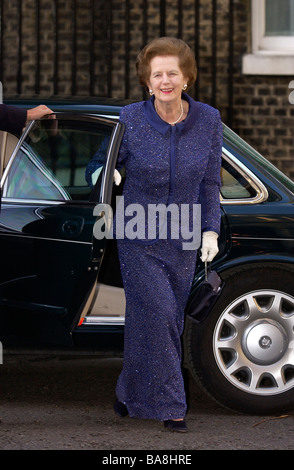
(206, 296)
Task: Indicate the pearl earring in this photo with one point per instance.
(151, 92)
(185, 87)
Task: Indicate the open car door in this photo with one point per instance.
(49, 256)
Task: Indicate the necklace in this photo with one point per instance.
(180, 116)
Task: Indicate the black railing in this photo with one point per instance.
(102, 11)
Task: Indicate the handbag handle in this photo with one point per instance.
(206, 270)
(207, 265)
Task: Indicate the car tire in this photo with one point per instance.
(243, 353)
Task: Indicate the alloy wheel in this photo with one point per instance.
(253, 342)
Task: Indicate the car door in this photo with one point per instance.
(49, 257)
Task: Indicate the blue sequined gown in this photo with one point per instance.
(164, 164)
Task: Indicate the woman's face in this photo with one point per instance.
(166, 78)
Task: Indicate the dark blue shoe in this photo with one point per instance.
(176, 426)
(120, 409)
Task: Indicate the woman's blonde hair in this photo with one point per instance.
(165, 46)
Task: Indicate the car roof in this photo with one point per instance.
(92, 105)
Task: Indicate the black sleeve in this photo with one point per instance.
(12, 119)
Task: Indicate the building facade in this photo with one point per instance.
(89, 48)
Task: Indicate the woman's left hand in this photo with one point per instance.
(209, 247)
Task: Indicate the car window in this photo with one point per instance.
(59, 160)
(233, 183)
(30, 179)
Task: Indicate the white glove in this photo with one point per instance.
(209, 246)
(117, 178)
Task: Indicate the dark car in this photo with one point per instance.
(60, 286)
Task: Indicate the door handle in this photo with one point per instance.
(73, 227)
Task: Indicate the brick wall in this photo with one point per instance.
(93, 48)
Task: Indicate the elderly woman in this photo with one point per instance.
(171, 151)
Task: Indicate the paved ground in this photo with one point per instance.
(67, 404)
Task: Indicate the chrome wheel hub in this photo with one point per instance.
(254, 342)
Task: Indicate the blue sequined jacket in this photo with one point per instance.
(173, 164)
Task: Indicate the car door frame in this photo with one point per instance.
(104, 197)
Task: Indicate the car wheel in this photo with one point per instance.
(243, 354)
